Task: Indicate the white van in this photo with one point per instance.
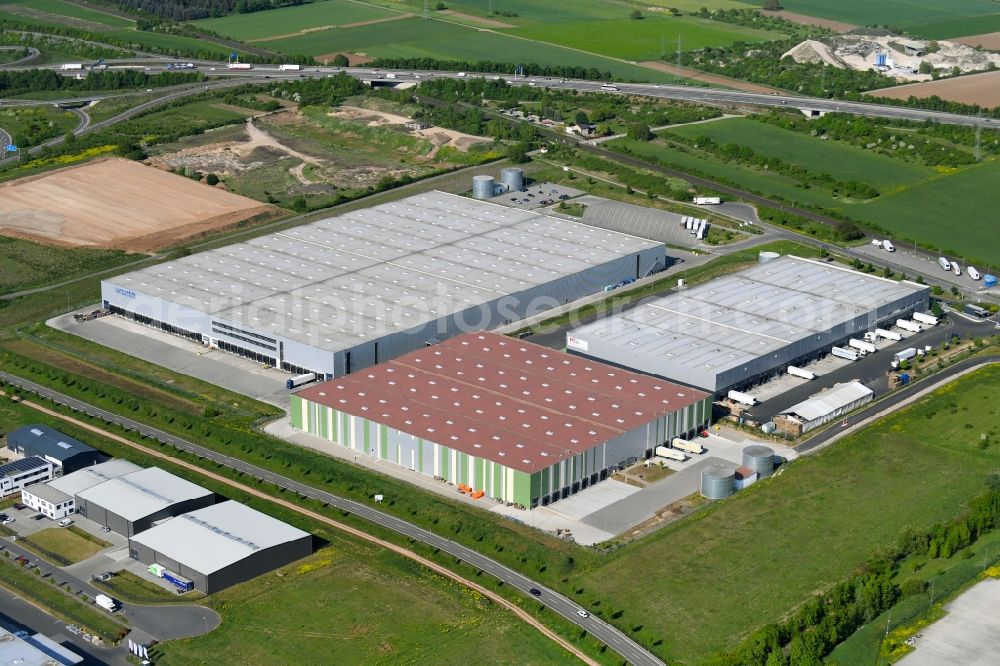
(944, 263)
(65, 522)
(956, 269)
(973, 273)
(889, 247)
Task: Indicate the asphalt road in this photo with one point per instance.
(630, 650)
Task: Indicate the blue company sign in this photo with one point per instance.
(127, 293)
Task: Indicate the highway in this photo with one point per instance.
(630, 650)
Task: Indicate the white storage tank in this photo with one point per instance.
(483, 187)
(760, 459)
(512, 178)
(717, 481)
(765, 257)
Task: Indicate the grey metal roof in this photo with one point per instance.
(217, 536)
(336, 282)
(45, 441)
(80, 480)
(139, 494)
(829, 401)
(734, 319)
(23, 465)
(48, 493)
(35, 650)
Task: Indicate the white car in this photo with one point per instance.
(583, 613)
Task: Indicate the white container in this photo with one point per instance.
(744, 398)
(671, 454)
(844, 353)
(862, 346)
(685, 445)
(908, 325)
(923, 318)
(955, 268)
(888, 335)
(799, 372)
(888, 247)
(944, 263)
(973, 273)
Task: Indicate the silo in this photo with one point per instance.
(483, 187)
(717, 481)
(513, 178)
(765, 257)
(759, 459)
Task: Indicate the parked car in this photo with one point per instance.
(564, 197)
(37, 516)
(105, 529)
(65, 522)
(19, 506)
(107, 575)
(6, 521)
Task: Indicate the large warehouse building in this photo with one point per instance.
(57, 498)
(131, 503)
(65, 452)
(220, 545)
(519, 422)
(739, 330)
(348, 292)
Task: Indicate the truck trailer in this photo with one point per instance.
(924, 318)
(106, 602)
(888, 246)
(904, 355)
(239, 65)
(71, 66)
(744, 398)
(888, 335)
(685, 445)
(944, 263)
(973, 273)
(669, 453)
(955, 268)
(845, 353)
(707, 201)
(861, 346)
(799, 372)
(290, 68)
(908, 325)
(300, 380)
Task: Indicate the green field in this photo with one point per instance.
(62, 546)
(646, 39)
(843, 162)
(24, 264)
(59, 13)
(750, 560)
(366, 607)
(267, 24)
(938, 19)
(33, 125)
(923, 213)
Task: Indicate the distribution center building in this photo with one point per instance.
(57, 498)
(519, 422)
(132, 502)
(351, 291)
(737, 331)
(220, 545)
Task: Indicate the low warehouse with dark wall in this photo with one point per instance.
(506, 418)
(66, 453)
(131, 503)
(740, 330)
(221, 545)
(345, 293)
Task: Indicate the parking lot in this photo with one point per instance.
(537, 195)
(968, 634)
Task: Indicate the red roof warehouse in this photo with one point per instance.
(509, 402)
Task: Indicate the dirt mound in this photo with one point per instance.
(812, 51)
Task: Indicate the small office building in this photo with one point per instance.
(17, 474)
(57, 498)
(66, 453)
(220, 545)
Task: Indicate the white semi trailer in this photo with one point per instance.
(669, 453)
(685, 445)
(744, 398)
(862, 346)
(800, 372)
(924, 318)
(908, 325)
(888, 335)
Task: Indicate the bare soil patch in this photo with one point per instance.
(439, 136)
(478, 20)
(989, 41)
(353, 59)
(802, 19)
(120, 204)
(694, 74)
(982, 89)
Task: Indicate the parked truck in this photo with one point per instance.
(845, 353)
(904, 355)
(800, 372)
(862, 346)
(106, 602)
(956, 269)
(239, 65)
(300, 380)
(944, 263)
(888, 246)
(744, 398)
(670, 454)
(888, 335)
(702, 229)
(685, 445)
(290, 68)
(973, 273)
(870, 336)
(180, 582)
(71, 66)
(925, 318)
(908, 325)
(707, 201)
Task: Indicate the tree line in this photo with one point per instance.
(15, 82)
(190, 10)
(493, 67)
